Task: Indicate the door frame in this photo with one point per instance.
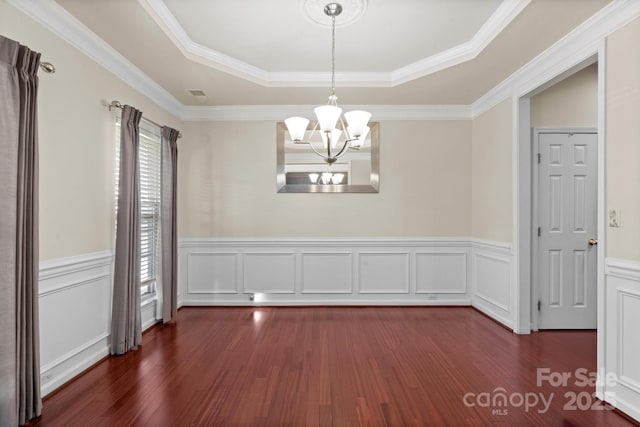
(535, 220)
(522, 238)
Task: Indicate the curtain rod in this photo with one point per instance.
(118, 105)
(48, 67)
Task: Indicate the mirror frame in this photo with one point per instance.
(372, 187)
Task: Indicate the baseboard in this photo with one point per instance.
(71, 364)
(148, 310)
(310, 303)
(630, 410)
(489, 310)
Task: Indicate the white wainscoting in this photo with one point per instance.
(268, 272)
(324, 271)
(75, 315)
(622, 345)
(75, 292)
(385, 272)
(493, 285)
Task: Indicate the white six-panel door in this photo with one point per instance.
(567, 241)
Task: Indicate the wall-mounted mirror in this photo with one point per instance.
(301, 170)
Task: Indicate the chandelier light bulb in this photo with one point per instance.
(326, 177)
(313, 177)
(297, 126)
(328, 116)
(337, 178)
(357, 119)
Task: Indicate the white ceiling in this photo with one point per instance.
(265, 52)
(390, 35)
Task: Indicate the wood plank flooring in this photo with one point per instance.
(335, 366)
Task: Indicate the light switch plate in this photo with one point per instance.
(614, 218)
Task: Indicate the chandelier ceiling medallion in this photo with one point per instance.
(336, 137)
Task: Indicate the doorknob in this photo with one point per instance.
(592, 242)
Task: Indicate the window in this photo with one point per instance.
(149, 167)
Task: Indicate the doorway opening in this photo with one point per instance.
(526, 307)
(524, 221)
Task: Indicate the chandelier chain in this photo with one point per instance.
(333, 55)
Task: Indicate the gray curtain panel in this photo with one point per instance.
(168, 227)
(27, 248)
(126, 324)
(9, 131)
(20, 398)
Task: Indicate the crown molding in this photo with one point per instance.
(55, 18)
(281, 112)
(196, 52)
(576, 50)
(502, 16)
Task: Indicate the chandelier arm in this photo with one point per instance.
(342, 151)
(345, 129)
(314, 149)
(313, 130)
(347, 134)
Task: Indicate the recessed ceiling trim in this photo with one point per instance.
(197, 52)
(502, 16)
(279, 112)
(498, 21)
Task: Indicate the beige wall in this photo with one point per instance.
(573, 102)
(623, 140)
(360, 171)
(448, 178)
(492, 174)
(76, 140)
(227, 185)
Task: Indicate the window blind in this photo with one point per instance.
(149, 152)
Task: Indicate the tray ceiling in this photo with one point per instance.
(255, 52)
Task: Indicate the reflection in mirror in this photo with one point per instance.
(300, 170)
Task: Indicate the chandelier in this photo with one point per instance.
(336, 137)
(326, 178)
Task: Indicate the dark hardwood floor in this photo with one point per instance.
(336, 366)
